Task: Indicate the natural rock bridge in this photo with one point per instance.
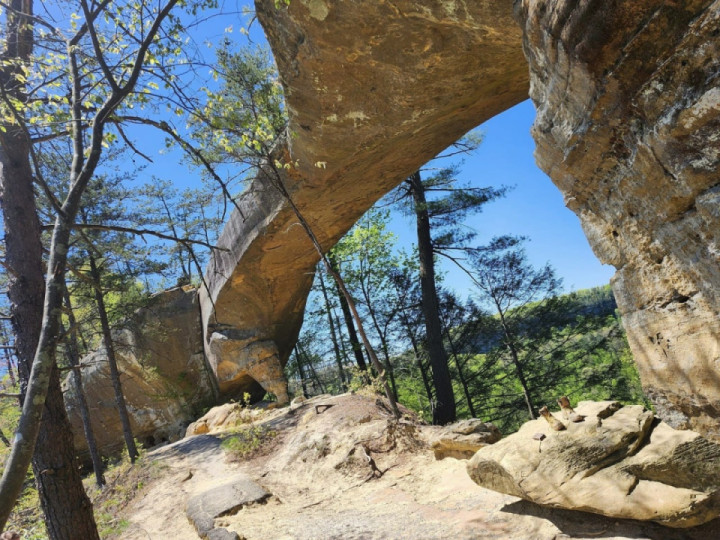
(628, 128)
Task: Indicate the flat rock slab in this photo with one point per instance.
(204, 508)
(620, 462)
(221, 534)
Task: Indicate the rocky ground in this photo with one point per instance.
(312, 480)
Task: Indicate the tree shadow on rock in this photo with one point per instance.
(586, 525)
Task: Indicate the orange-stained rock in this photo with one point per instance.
(166, 381)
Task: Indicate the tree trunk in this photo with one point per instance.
(312, 369)
(519, 372)
(338, 281)
(444, 411)
(418, 361)
(4, 439)
(352, 334)
(336, 348)
(112, 360)
(73, 356)
(67, 509)
(301, 372)
(461, 376)
(7, 354)
(381, 336)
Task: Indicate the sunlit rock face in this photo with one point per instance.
(166, 381)
(628, 128)
(374, 89)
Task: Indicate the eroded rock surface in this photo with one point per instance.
(628, 128)
(165, 378)
(373, 90)
(229, 498)
(462, 439)
(620, 462)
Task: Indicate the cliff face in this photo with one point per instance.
(373, 91)
(628, 128)
(165, 378)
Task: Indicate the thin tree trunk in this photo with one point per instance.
(510, 342)
(312, 370)
(73, 356)
(5, 341)
(381, 336)
(352, 334)
(43, 434)
(463, 380)
(4, 439)
(418, 360)
(338, 280)
(341, 338)
(112, 360)
(301, 372)
(444, 411)
(336, 348)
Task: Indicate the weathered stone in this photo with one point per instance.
(221, 534)
(222, 417)
(204, 508)
(619, 462)
(627, 128)
(166, 380)
(373, 91)
(462, 439)
(628, 117)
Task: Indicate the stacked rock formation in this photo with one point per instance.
(628, 123)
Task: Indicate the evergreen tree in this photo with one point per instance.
(437, 221)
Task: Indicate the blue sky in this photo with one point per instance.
(533, 208)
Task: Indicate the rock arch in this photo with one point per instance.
(627, 128)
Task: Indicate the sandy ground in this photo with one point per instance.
(323, 489)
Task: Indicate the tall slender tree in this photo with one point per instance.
(72, 351)
(100, 80)
(444, 406)
(437, 232)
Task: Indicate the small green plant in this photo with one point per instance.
(125, 482)
(247, 442)
(363, 382)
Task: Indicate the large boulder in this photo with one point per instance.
(165, 377)
(620, 462)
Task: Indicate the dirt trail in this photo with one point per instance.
(323, 488)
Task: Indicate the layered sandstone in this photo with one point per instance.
(619, 462)
(628, 127)
(166, 380)
(373, 91)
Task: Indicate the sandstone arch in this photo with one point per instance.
(627, 128)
